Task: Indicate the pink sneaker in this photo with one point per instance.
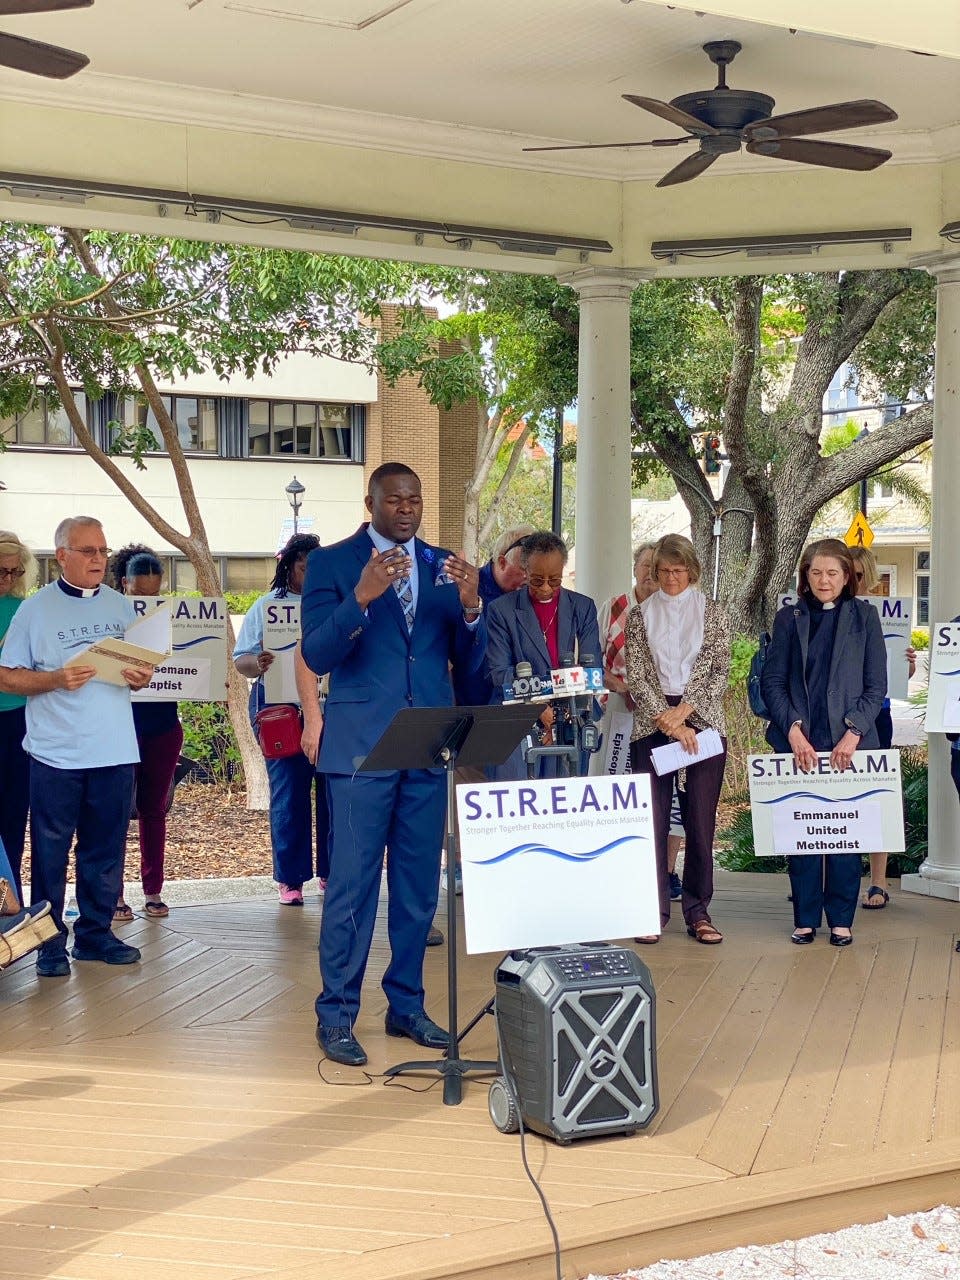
(323, 885)
(290, 895)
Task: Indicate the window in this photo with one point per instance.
(923, 588)
(882, 489)
(280, 428)
(195, 418)
(248, 573)
(43, 425)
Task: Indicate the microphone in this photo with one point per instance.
(525, 686)
(567, 680)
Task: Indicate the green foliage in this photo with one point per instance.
(239, 602)
(208, 738)
(920, 638)
(175, 307)
(736, 845)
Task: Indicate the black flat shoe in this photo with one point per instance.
(840, 939)
(802, 939)
(340, 1045)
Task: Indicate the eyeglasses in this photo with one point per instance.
(89, 553)
(678, 572)
(12, 573)
(538, 581)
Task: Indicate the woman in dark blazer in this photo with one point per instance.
(539, 623)
(824, 681)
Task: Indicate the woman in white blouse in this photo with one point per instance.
(678, 660)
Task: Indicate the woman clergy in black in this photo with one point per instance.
(824, 681)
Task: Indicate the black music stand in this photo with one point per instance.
(425, 738)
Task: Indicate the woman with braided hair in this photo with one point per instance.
(136, 570)
(293, 812)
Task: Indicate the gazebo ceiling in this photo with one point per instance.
(420, 109)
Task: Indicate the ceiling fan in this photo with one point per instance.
(722, 120)
(34, 56)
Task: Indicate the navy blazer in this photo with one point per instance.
(514, 635)
(376, 664)
(857, 682)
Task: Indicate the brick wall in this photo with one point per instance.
(403, 426)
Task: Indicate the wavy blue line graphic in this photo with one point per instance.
(951, 673)
(282, 648)
(588, 855)
(892, 635)
(813, 795)
(188, 644)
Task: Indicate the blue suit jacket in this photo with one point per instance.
(515, 635)
(376, 665)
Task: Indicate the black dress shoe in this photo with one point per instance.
(418, 1028)
(801, 939)
(341, 1045)
(435, 937)
(840, 939)
(112, 952)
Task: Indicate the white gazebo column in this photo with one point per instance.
(603, 559)
(939, 876)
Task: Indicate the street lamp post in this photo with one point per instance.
(295, 491)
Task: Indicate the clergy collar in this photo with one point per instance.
(81, 593)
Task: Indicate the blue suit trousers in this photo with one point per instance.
(402, 812)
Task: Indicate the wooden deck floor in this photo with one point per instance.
(171, 1120)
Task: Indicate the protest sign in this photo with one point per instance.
(557, 861)
(857, 811)
(196, 671)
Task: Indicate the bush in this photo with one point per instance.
(738, 854)
(745, 732)
(920, 638)
(209, 740)
(241, 601)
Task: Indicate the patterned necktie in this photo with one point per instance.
(405, 591)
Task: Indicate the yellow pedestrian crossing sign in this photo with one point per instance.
(859, 534)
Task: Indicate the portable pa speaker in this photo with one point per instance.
(576, 1026)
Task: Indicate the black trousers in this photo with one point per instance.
(698, 808)
(94, 805)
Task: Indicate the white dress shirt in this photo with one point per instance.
(674, 626)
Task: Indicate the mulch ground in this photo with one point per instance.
(210, 834)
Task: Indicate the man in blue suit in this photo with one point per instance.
(386, 615)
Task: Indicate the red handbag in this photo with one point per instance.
(279, 729)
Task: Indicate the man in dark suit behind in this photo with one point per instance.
(385, 614)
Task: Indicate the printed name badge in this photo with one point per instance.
(824, 811)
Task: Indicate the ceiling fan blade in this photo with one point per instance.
(9, 8)
(603, 146)
(689, 168)
(839, 115)
(39, 59)
(832, 155)
(667, 111)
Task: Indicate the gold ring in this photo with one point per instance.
(390, 570)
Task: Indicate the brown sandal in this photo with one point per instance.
(122, 913)
(705, 932)
(156, 909)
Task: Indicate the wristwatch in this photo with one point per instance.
(474, 612)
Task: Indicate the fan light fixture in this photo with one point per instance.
(776, 246)
(298, 217)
